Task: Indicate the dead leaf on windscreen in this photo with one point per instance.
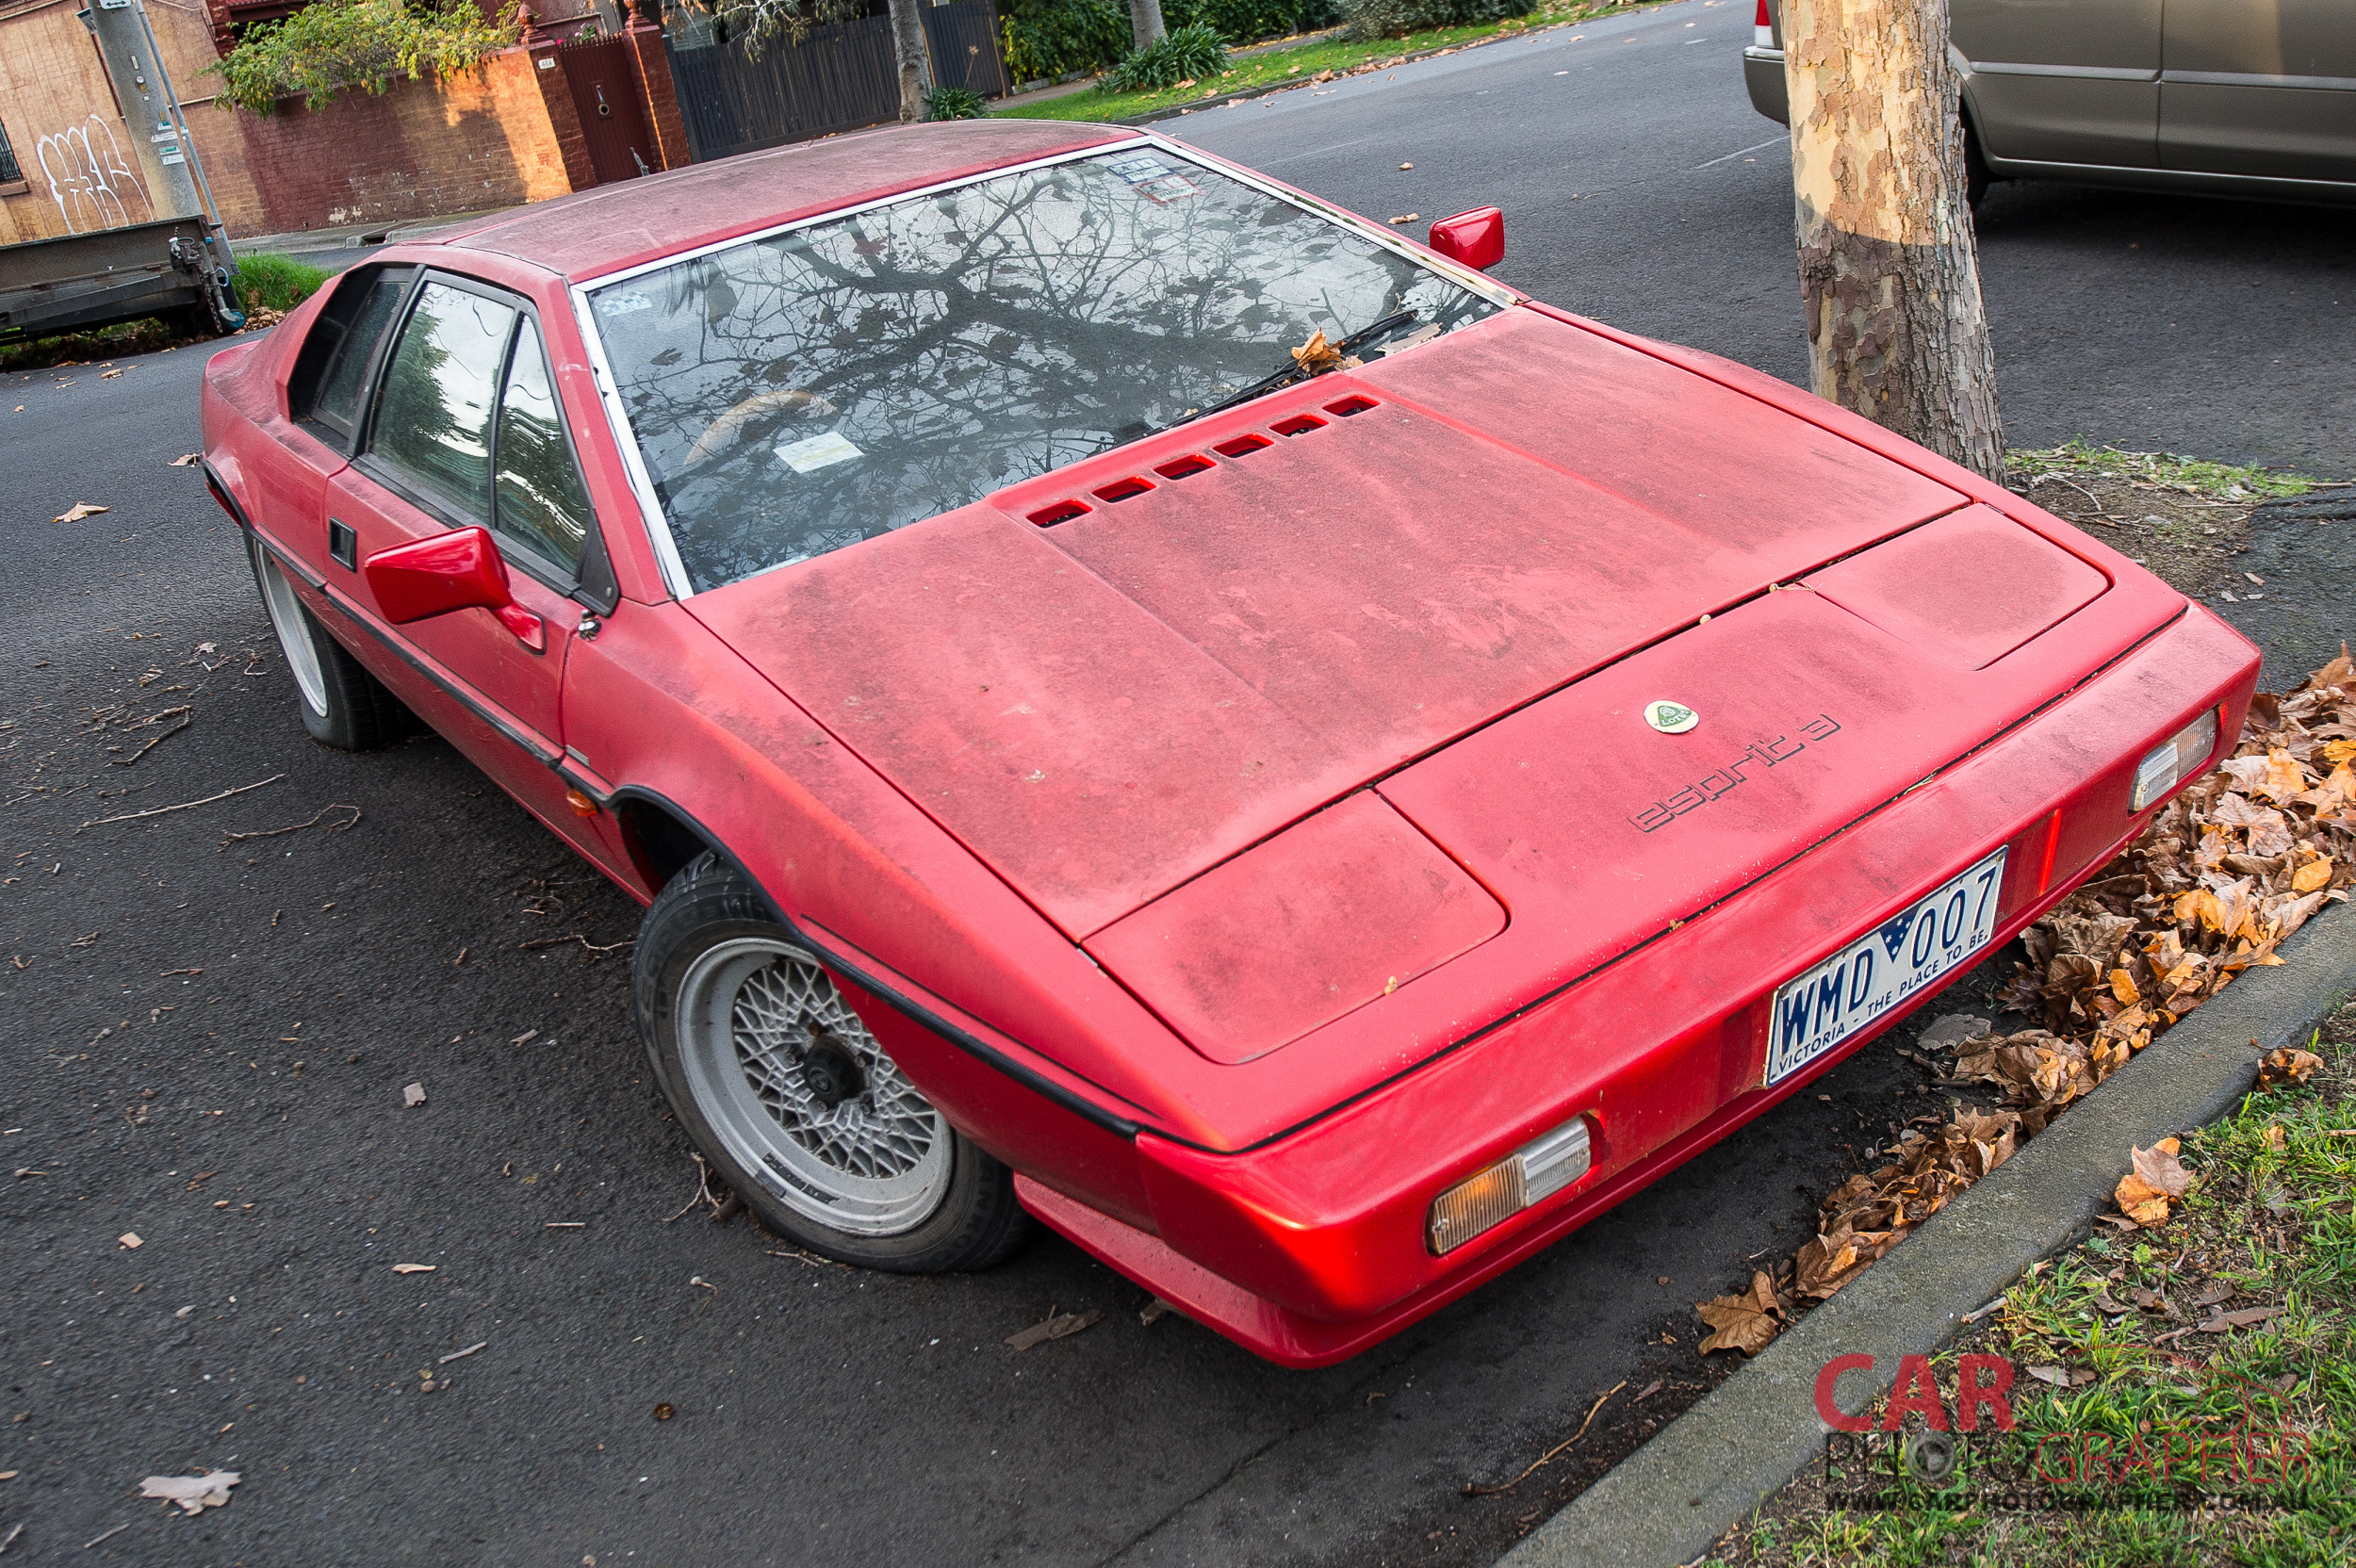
(195, 1494)
(79, 510)
(1745, 1322)
(1316, 354)
(2283, 1065)
(1055, 1326)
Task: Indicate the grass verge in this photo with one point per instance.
(277, 283)
(1342, 57)
(2227, 1331)
(2225, 481)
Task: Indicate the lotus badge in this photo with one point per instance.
(1671, 718)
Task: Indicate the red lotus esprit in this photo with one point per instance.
(1313, 821)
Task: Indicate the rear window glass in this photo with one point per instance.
(339, 393)
(802, 392)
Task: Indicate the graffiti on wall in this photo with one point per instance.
(90, 179)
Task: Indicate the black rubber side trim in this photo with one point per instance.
(981, 1049)
(539, 750)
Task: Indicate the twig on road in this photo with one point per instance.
(126, 762)
(703, 1187)
(576, 936)
(1473, 1491)
(184, 805)
(273, 832)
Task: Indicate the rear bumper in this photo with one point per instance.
(1762, 72)
(1310, 1247)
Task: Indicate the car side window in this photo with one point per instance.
(433, 425)
(541, 502)
(338, 400)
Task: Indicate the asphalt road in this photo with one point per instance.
(1640, 187)
(207, 1041)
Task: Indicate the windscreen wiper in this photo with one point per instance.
(1389, 324)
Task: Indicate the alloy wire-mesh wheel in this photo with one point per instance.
(796, 1104)
(342, 705)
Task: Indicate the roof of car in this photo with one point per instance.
(592, 233)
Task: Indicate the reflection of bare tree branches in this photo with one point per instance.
(960, 342)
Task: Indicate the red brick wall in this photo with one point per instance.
(421, 150)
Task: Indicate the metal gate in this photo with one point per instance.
(612, 122)
(840, 77)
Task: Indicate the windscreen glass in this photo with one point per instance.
(797, 394)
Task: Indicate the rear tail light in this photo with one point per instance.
(1535, 1171)
(2180, 757)
(1763, 27)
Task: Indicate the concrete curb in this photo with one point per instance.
(1671, 1500)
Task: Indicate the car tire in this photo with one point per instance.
(1975, 175)
(342, 705)
(796, 1106)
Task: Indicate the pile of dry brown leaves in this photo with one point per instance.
(2222, 875)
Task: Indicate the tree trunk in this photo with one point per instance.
(908, 43)
(1888, 267)
(1145, 21)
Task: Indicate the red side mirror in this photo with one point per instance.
(458, 570)
(1477, 239)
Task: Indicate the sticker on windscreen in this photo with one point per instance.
(1153, 179)
(622, 304)
(819, 451)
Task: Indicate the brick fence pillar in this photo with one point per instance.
(556, 96)
(656, 90)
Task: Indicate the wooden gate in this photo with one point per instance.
(612, 122)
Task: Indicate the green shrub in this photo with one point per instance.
(1047, 38)
(953, 103)
(331, 46)
(275, 281)
(1372, 19)
(1182, 53)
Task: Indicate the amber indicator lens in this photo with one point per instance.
(1536, 1170)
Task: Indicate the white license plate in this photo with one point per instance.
(1883, 968)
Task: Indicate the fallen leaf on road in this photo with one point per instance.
(2283, 1065)
(1406, 217)
(1055, 1326)
(2062, 1377)
(108, 375)
(1411, 166)
(413, 1267)
(2143, 1193)
(526, 1037)
(130, 1239)
(186, 460)
(79, 510)
(1746, 1322)
(1649, 1390)
(413, 1095)
(1155, 1311)
(1952, 1029)
(2245, 1319)
(193, 1492)
(664, 1411)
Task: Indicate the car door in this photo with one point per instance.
(2064, 81)
(463, 431)
(2260, 87)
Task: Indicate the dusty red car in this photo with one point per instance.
(1313, 820)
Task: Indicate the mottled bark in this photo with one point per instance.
(1888, 267)
(1145, 21)
(916, 65)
